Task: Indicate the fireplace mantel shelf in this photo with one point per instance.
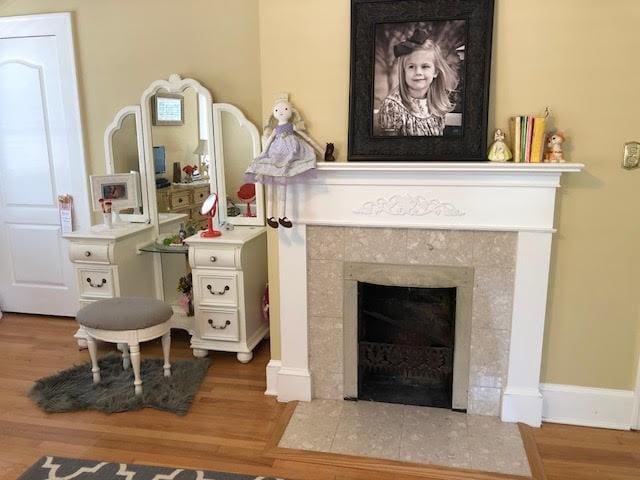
(460, 167)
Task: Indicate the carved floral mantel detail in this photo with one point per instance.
(408, 205)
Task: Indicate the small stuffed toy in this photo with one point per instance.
(553, 153)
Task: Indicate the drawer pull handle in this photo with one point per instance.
(226, 324)
(221, 292)
(97, 285)
(87, 253)
(213, 259)
(179, 200)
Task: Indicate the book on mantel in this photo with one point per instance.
(527, 134)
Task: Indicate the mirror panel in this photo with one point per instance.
(177, 133)
(237, 142)
(124, 153)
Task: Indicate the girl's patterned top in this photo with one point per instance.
(396, 120)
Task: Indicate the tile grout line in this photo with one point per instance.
(335, 432)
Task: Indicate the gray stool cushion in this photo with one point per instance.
(124, 313)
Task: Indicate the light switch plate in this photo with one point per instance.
(631, 155)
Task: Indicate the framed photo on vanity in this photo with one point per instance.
(419, 80)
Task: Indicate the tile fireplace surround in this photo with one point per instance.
(485, 228)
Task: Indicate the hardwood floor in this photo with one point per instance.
(232, 425)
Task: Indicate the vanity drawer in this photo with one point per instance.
(217, 289)
(200, 195)
(218, 324)
(180, 199)
(214, 258)
(89, 253)
(95, 282)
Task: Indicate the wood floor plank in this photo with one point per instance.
(232, 426)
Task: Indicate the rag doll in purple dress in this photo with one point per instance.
(289, 154)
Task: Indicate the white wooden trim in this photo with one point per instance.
(252, 131)
(451, 167)
(294, 379)
(521, 401)
(585, 406)
(273, 367)
(635, 419)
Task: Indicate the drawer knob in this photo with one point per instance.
(213, 259)
(226, 324)
(179, 200)
(97, 285)
(221, 292)
(87, 253)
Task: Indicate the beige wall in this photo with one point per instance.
(580, 58)
(124, 45)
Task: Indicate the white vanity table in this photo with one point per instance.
(229, 273)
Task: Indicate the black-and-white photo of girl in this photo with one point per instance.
(418, 79)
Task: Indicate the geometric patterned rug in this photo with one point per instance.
(58, 468)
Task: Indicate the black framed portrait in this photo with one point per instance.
(419, 80)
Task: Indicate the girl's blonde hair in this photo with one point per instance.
(438, 94)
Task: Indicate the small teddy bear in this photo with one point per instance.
(553, 153)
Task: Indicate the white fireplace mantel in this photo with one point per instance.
(455, 196)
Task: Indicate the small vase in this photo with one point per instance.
(108, 221)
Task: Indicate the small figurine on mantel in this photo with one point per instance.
(553, 152)
(499, 151)
(288, 155)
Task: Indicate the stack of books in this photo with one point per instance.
(527, 133)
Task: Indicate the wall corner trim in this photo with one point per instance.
(273, 367)
(586, 406)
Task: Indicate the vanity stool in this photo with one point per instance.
(127, 321)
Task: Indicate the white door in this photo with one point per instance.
(41, 157)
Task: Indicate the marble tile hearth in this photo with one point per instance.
(407, 433)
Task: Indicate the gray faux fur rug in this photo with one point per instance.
(73, 389)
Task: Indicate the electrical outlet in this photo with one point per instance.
(631, 157)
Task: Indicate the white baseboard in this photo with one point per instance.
(522, 405)
(273, 367)
(294, 384)
(588, 407)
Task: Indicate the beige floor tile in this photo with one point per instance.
(371, 429)
(412, 434)
(313, 425)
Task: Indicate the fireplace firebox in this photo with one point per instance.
(406, 341)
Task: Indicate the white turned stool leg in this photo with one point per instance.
(134, 348)
(126, 360)
(93, 353)
(166, 346)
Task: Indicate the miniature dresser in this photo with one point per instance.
(229, 279)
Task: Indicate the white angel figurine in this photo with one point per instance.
(288, 154)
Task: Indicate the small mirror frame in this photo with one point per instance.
(110, 131)
(251, 129)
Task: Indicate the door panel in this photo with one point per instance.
(41, 157)
(26, 159)
(32, 264)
